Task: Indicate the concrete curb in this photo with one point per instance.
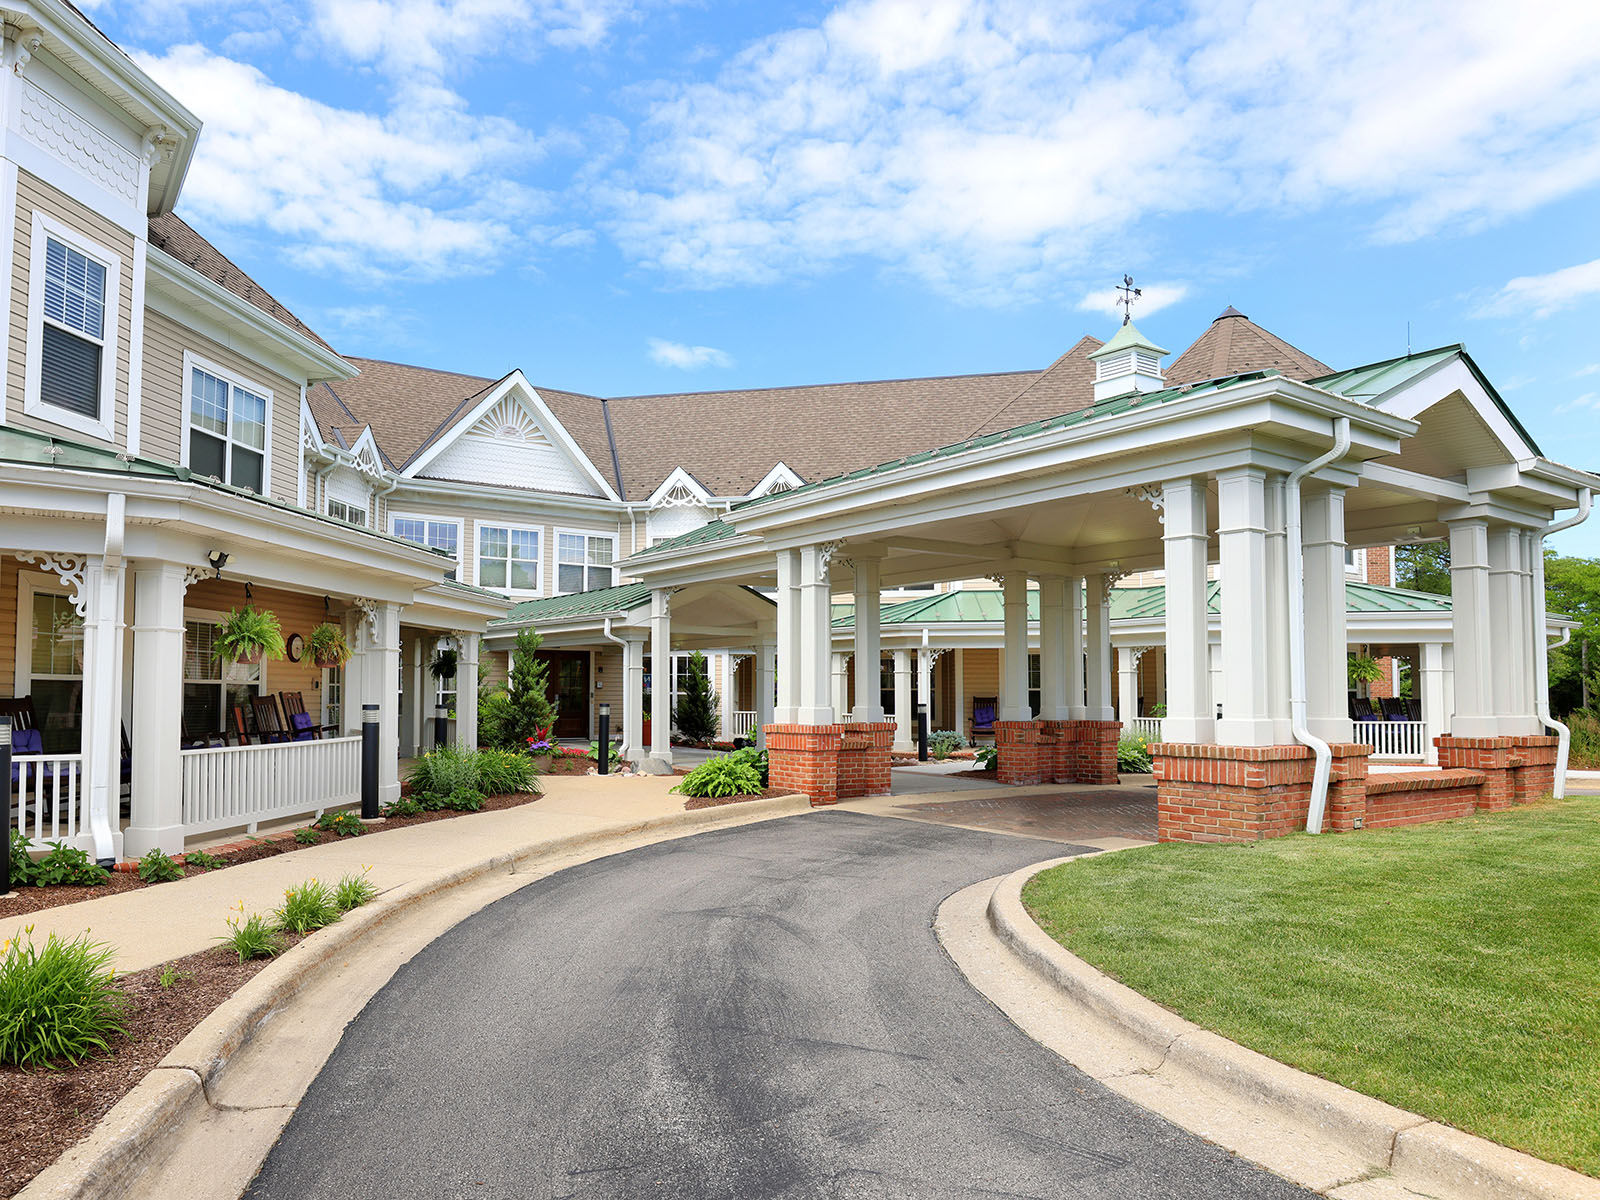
(1432, 1158)
(100, 1166)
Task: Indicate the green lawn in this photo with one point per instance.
(1451, 969)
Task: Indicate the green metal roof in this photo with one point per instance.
(1126, 338)
(711, 531)
(987, 605)
(579, 604)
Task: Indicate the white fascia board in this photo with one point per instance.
(729, 559)
(781, 473)
(516, 382)
(1547, 469)
(190, 294)
(309, 429)
(448, 608)
(502, 500)
(680, 476)
(1444, 379)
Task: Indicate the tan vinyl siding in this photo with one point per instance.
(980, 676)
(497, 667)
(162, 416)
(8, 624)
(34, 194)
(606, 683)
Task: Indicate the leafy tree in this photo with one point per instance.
(1424, 568)
(696, 714)
(509, 716)
(1572, 589)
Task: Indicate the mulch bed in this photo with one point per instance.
(695, 802)
(32, 899)
(48, 1111)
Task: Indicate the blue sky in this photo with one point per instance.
(624, 196)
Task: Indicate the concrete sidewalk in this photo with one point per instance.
(156, 924)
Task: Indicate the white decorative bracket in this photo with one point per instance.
(369, 612)
(825, 553)
(1153, 495)
(193, 575)
(69, 568)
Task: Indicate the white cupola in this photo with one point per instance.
(1129, 362)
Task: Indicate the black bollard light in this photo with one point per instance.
(441, 725)
(369, 761)
(604, 744)
(922, 733)
(5, 774)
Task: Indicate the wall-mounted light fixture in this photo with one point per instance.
(218, 559)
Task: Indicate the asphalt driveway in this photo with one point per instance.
(757, 1012)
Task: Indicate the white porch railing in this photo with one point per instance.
(1393, 739)
(50, 796)
(1148, 728)
(744, 725)
(225, 786)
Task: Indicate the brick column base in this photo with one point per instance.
(1089, 752)
(805, 759)
(1018, 745)
(1210, 793)
(864, 759)
(1516, 770)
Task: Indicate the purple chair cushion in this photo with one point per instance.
(26, 741)
(301, 724)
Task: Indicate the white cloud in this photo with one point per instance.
(998, 147)
(1589, 400)
(1152, 300)
(687, 358)
(1543, 295)
(1591, 369)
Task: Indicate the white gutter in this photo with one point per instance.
(1541, 646)
(1297, 624)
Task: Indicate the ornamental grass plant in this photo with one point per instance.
(58, 1003)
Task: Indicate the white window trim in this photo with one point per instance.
(233, 379)
(45, 227)
(365, 510)
(30, 584)
(395, 516)
(555, 557)
(545, 550)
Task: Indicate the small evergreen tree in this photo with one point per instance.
(696, 714)
(528, 701)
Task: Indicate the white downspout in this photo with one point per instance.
(611, 637)
(1297, 624)
(1541, 647)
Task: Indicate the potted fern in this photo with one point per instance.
(443, 665)
(247, 635)
(1364, 668)
(328, 646)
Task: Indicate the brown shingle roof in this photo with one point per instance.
(172, 234)
(406, 406)
(1066, 385)
(1233, 345)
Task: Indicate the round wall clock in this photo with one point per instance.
(295, 647)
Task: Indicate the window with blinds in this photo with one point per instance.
(72, 344)
(227, 430)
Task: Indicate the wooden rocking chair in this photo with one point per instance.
(301, 727)
(270, 725)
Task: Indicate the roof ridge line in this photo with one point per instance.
(788, 387)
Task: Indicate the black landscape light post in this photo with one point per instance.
(922, 733)
(441, 725)
(605, 739)
(5, 775)
(369, 761)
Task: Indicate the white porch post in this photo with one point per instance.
(1052, 647)
(661, 675)
(1014, 683)
(1097, 649)
(633, 747)
(380, 685)
(1127, 685)
(904, 718)
(1275, 631)
(157, 732)
(726, 697)
(869, 697)
(1076, 709)
(766, 675)
(1327, 640)
(1473, 715)
(1246, 650)
(816, 636)
(1431, 692)
(958, 679)
(467, 690)
(419, 690)
(1190, 717)
(103, 583)
(790, 670)
(838, 673)
(1508, 605)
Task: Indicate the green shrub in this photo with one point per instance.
(66, 866)
(442, 771)
(502, 772)
(247, 634)
(943, 743)
(157, 867)
(251, 937)
(353, 891)
(21, 861)
(57, 1003)
(463, 800)
(756, 758)
(406, 806)
(528, 709)
(309, 836)
(1133, 754)
(204, 861)
(697, 715)
(170, 976)
(449, 771)
(721, 776)
(306, 906)
(344, 824)
(611, 753)
(987, 758)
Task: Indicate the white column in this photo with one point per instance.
(1473, 715)
(1431, 692)
(1189, 714)
(467, 690)
(1327, 642)
(727, 693)
(1127, 685)
(959, 680)
(766, 675)
(1076, 708)
(1097, 648)
(380, 685)
(1275, 631)
(157, 730)
(1246, 660)
(1508, 606)
(789, 666)
(905, 726)
(419, 693)
(1014, 684)
(839, 674)
(103, 583)
(869, 696)
(661, 675)
(633, 747)
(1053, 647)
(816, 637)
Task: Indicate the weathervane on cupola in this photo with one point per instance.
(1129, 362)
(1129, 295)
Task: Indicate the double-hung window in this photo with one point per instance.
(72, 329)
(441, 535)
(583, 561)
(213, 687)
(227, 426)
(54, 662)
(508, 558)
